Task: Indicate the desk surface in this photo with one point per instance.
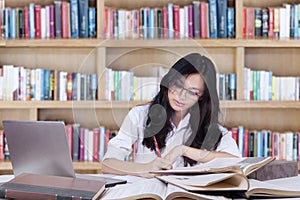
(79, 167)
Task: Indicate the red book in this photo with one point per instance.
(244, 22)
(234, 134)
(105, 23)
(176, 21)
(165, 21)
(204, 32)
(250, 23)
(190, 21)
(271, 22)
(246, 146)
(107, 138)
(96, 142)
(26, 23)
(65, 20)
(37, 21)
(69, 131)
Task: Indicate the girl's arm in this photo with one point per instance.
(198, 155)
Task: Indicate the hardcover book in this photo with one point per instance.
(39, 186)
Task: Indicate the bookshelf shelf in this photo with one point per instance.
(72, 43)
(103, 104)
(79, 167)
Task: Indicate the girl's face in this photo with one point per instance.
(185, 92)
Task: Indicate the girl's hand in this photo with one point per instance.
(156, 164)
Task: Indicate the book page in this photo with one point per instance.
(251, 164)
(177, 192)
(148, 188)
(236, 182)
(276, 188)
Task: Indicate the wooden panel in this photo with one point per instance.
(87, 117)
(282, 61)
(79, 167)
(19, 114)
(281, 119)
(67, 59)
(134, 58)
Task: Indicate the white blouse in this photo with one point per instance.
(132, 130)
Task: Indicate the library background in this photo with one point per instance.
(88, 62)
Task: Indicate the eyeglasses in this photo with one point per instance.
(178, 89)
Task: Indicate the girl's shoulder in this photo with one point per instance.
(139, 111)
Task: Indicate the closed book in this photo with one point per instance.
(275, 169)
(40, 186)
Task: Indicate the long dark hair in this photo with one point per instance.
(203, 114)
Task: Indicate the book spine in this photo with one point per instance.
(83, 18)
(74, 19)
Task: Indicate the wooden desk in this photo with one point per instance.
(79, 167)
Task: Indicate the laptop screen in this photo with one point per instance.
(38, 147)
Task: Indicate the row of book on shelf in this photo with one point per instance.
(124, 85)
(20, 83)
(62, 19)
(212, 19)
(264, 85)
(281, 21)
(91, 144)
(85, 144)
(264, 143)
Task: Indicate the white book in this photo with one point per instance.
(90, 145)
(43, 23)
(86, 142)
(47, 21)
(289, 146)
(186, 24)
(182, 22)
(63, 86)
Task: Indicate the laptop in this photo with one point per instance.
(41, 147)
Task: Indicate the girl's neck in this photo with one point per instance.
(177, 117)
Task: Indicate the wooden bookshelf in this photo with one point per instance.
(95, 55)
(79, 167)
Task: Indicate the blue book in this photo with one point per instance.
(151, 23)
(296, 21)
(222, 18)
(93, 86)
(92, 22)
(212, 10)
(230, 23)
(12, 24)
(102, 142)
(146, 22)
(46, 79)
(83, 18)
(74, 18)
(31, 21)
(241, 139)
(6, 21)
(170, 20)
(232, 86)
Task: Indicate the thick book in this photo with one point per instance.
(232, 185)
(40, 186)
(245, 166)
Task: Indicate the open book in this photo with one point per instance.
(153, 189)
(232, 186)
(245, 165)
